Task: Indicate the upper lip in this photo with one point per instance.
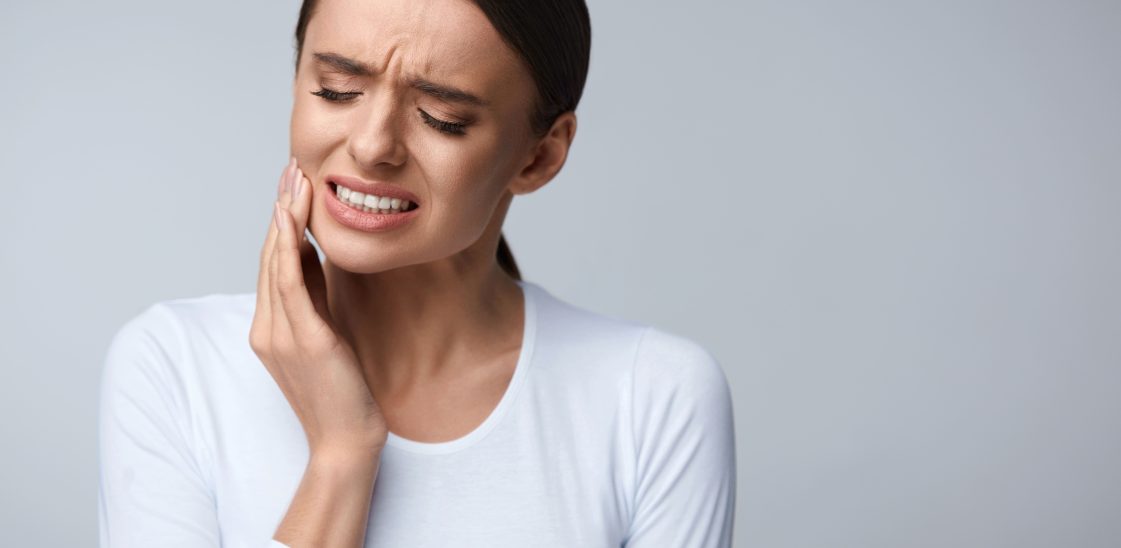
(385, 190)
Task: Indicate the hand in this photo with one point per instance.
(295, 338)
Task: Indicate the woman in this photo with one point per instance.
(412, 389)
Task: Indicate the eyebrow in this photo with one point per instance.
(439, 91)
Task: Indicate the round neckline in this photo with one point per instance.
(525, 355)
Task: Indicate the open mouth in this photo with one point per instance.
(370, 203)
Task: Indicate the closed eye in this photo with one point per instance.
(336, 96)
(451, 128)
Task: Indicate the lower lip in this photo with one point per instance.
(361, 220)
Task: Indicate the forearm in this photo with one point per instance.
(332, 503)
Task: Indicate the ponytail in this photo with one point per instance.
(506, 259)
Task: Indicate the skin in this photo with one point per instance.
(433, 319)
(417, 329)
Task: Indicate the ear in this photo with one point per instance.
(547, 157)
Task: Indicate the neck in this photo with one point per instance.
(413, 325)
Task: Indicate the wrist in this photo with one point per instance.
(346, 457)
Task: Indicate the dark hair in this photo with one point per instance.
(552, 37)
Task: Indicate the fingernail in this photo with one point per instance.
(292, 174)
(276, 215)
(299, 186)
(283, 179)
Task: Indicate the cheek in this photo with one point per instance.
(307, 129)
(464, 176)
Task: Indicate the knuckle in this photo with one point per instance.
(284, 288)
(262, 348)
(257, 343)
(289, 286)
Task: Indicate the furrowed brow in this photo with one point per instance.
(445, 93)
(439, 91)
(344, 64)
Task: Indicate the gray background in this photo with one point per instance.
(896, 224)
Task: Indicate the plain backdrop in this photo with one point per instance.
(897, 225)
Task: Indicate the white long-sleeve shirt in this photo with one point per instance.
(611, 433)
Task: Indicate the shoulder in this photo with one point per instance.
(580, 341)
(653, 363)
(684, 445)
(675, 359)
(157, 336)
(216, 312)
(677, 380)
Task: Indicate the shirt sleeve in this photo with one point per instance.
(151, 488)
(684, 438)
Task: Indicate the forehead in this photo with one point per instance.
(451, 41)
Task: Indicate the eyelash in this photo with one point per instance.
(451, 128)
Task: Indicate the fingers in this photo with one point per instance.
(295, 299)
(285, 181)
(299, 204)
(263, 280)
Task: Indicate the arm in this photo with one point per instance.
(319, 373)
(685, 466)
(332, 503)
(152, 491)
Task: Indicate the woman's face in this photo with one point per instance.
(383, 130)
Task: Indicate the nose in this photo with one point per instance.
(375, 138)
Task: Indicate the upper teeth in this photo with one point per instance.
(369, 200)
